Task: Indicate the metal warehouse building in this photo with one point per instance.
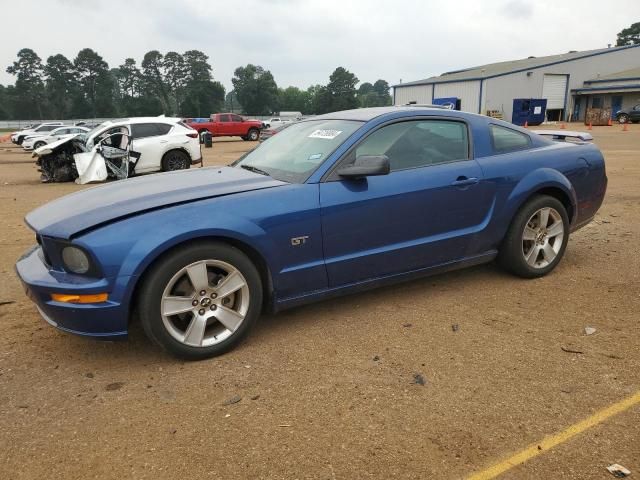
(570, 83)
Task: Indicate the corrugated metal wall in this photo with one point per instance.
(416, 93)
(499, 92)
(467, 92)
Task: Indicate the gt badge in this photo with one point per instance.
(296, 241)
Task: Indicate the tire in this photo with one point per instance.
(539, 254)
(624, 118)
(253, 135)
(37, 145)
(175, 160)
(196, 333)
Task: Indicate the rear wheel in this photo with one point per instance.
(175, 160)
(200, 301)
(253, 135)
(536, 239)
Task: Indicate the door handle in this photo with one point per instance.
(465, 181)
(163, 141)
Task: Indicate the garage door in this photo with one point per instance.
(554, 89)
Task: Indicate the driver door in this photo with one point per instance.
(422, 214)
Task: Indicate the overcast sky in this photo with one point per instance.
(302, 42)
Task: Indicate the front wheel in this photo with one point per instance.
(201, 300)
(536, 239)
(37, 145)
(623, 118)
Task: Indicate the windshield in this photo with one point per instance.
(295, 153)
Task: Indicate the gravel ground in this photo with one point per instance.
(329, 391)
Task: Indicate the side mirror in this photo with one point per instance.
(366, 166)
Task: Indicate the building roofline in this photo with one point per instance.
(610, 80)
(610, 87)
(435, 80)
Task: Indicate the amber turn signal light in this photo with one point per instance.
(69, 298)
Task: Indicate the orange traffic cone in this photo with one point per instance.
(590, 127)
(563, 127)
(624, 127)
(609, 124)
(526, 124)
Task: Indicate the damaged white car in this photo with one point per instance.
(120, 148)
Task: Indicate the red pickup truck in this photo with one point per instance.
(228, 125)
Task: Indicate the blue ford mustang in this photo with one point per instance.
(337, 203)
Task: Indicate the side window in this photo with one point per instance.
(236, 118)
(163, 128)
(418, 143)
(61, 131)
(224, 118)
(637, 107)
(507, 140)
(143, 130)
(48, 128)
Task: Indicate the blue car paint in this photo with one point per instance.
(361, 233)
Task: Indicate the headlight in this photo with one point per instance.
(75, 260)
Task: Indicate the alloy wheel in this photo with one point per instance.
(542, 237)
(204, 303)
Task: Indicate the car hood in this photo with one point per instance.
(72, 214)
(50, 148)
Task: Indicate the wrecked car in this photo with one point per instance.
(71, 159)
(144, 144)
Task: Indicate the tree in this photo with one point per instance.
(318, 100)
(376, 95)
(256, 89)
(93, 74)
(231, 103)
(29, 87)
(629, 36)
(203, 96)
(60, 84)
(128, 77)
(153, 78)
(342, 89)
(293, 99)
(175, 77)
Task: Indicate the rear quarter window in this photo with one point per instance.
(163, 128)
(506, 140)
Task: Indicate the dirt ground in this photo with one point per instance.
(327, 391)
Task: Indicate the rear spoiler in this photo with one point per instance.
(562, 135)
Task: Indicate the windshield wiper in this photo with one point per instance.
(253, 169)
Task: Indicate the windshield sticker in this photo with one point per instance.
(326, 134)
(315, 156)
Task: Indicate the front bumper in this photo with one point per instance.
(105, 320)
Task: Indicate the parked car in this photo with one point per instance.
(38, 140)
(229, 125)
(339, 203)
(275, 122)
(44, 128)
(631, 115)
(271, 131)
(161, 143)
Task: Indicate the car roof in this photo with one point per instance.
(366, 114)
(135, 120)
